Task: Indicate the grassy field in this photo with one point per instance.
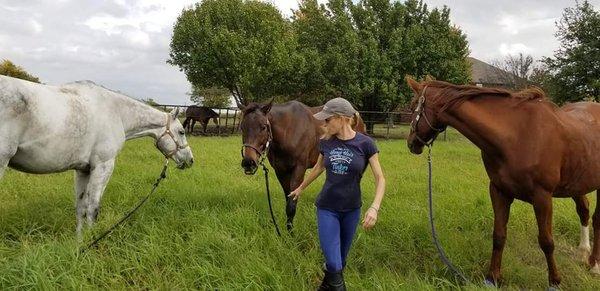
(208, 228)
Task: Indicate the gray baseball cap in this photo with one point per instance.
(336, 106)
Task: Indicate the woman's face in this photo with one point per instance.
(334, 125)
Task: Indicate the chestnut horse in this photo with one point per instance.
(532, 151)
(290, 135)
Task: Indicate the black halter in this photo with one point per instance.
(261, 154)
(420, 110)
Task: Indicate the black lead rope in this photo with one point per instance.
(269, 198)
(440, 250)
(163, 175)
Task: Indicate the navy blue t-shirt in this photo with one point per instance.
(345, 162)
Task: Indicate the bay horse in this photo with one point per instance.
(79, 126)
(532, 151)
(289, 134)
(199, 113)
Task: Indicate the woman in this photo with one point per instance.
(344, 156)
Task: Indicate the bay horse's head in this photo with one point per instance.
(425, 124)
(256, 135)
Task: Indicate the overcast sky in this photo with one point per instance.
(124, 44)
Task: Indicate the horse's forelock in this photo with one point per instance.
(252, 107)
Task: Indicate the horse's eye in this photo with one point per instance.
(263, 127)
(182, 132)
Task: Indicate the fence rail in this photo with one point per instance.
(379, 124)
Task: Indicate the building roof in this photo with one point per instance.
(486, 74)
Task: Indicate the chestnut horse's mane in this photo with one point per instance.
(456, 94)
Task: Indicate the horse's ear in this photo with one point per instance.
(414, 85)
(175, 113)
(265, 108)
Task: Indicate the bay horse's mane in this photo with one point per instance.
(456, 94)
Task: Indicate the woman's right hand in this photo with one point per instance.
(296, 193)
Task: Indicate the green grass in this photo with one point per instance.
(208, 228)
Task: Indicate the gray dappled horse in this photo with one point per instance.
(79, 126)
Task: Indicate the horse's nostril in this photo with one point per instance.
(191, 161)
(248, 163)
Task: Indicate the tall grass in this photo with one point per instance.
(208, 228)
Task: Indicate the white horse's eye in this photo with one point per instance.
(181, 132)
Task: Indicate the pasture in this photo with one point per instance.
(208, 227)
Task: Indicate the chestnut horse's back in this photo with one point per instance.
(586, 112)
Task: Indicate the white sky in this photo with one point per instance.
(124, 44)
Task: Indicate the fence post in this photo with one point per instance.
(389, 123)
(234, 119)
(226, 118)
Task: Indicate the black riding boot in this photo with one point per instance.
(336, 281)
(325, 283)
(332, 282)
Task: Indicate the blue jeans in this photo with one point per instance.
(336, 231)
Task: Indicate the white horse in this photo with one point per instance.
(79, 126)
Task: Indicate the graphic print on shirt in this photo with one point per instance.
(340, 159)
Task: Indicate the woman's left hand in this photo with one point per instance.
(370, 218)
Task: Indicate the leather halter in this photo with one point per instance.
(420, 110)
(261, 154)
(169, 133)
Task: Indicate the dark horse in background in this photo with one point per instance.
(199, 113)
(532, 151)
(294, 146)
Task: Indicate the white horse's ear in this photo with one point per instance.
(175, 113)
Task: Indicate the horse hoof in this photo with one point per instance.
(595, 269)
(583, 253)
(289, 226)
(489, 283)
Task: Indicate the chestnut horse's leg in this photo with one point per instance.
(595, 256)
(542, 205)
(501, 205)
(583, 210)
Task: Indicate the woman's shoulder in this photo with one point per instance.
(364, 138)
(367, 144)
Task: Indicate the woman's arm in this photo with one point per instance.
(314, 173)
(371, 213)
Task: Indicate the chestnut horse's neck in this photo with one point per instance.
(492, 123)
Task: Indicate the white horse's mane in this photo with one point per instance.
(94, 84)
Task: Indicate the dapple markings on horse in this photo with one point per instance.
(79, 126)
(532, 151)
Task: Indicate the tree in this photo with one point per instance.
(362, 51)
(8, 68)
(515, 71)
(213, 97)
(575, 67)
(242, 45)
(150, 101)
